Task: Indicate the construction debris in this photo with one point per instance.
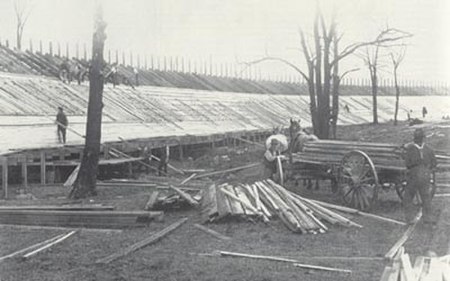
(36, 248)
(150, 240)
(94, 219)
(395, 248)
(266, 199)
(50, 244)
(424, 268)
(212, 232)
(280, 259)
(357, 212)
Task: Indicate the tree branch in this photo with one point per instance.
(270, 58)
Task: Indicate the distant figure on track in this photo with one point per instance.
(61, 122)
(424, 112)
(420, 162)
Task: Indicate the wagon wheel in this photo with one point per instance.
(358, 180)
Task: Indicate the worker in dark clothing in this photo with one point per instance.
(61, 122)
(424, 112)
(420, 162)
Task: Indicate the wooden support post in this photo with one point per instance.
(31, 45)
(123, 58)
(43, 180)
(4, 162)
(84, 52)
(59, 49)
(67, 50)
(50, 48)
(109, 56)
(117, 56)
(77, 51)
(131, 58)
(24, 172)
(40, 46)
(180, 147)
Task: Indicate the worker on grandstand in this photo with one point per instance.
(420, 162)
(61, 124)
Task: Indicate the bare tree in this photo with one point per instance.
(85, 183)
(323, 77)
(397, 59)
(22, 9)
(371, 58)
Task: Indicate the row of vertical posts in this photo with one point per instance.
(208, 67)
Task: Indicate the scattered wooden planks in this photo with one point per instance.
(424, 268)
(280, 259)
(150, 240)
(39, 247)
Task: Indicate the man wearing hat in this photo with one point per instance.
(420, 162)
(61, 123)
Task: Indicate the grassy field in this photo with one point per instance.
(189, 254)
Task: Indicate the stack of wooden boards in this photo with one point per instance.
(90, 216)
(265, 200)
(424, 268)
(383, 155)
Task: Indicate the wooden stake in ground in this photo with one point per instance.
(84, 185)
(150, 240)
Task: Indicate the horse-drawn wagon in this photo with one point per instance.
(357, 170)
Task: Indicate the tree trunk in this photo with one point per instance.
(373, 78)
(397, 95)
(322, 113)
(85, 183)
(335, 91)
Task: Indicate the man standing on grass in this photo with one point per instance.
(61, 123)
(420, 162)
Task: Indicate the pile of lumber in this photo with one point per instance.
(383, 155)
(424, 268)
(156, 182)
(76, 216)
(266, 200)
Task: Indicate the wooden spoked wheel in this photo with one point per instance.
(358, 180)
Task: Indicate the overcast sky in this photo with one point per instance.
(227, 30)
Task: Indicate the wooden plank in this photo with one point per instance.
(246, 204)
(407, 268)
(227, 170)
(212, 232)
(40, 227)
(393, 250)
(356, 212)
(185, 196)
(280, 259)
(44, 247)
(152, 200)
(150, 240)
(30, 248)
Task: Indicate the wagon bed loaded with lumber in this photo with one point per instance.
(357, 169)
